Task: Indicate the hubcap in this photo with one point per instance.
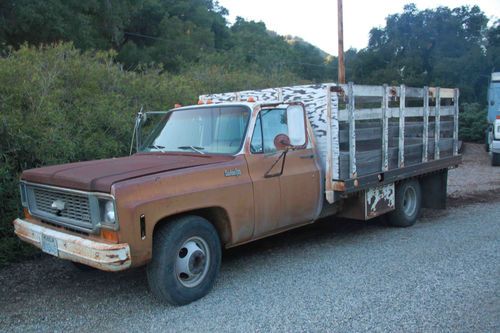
(409, 201)
(192, 262)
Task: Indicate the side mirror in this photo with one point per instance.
(282, 142)
(297, 129)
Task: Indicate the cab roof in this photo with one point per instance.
(251, 105)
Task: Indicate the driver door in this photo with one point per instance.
(282, 198)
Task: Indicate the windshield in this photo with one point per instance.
(216, 130)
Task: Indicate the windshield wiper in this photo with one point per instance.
(156, 147)
(193, 148)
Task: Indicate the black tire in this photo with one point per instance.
(187, 239)
(487, 147)
(495, 159)
(408, 204)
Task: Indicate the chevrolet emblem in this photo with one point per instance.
(58, 205)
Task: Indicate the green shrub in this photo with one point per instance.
(472, 122)
(60, 105)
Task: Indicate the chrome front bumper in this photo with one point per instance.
(103, 256)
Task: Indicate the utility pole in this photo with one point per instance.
(341, 73)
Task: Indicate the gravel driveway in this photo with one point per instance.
(440, 275)
(475, 176)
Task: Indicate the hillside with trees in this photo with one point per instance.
(74, 73)
(173, 33)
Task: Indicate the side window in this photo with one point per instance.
(274, 122)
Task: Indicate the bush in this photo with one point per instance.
(472, 122)
(60, 105)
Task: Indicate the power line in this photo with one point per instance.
(136, 34)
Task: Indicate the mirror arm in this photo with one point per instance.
(138, 120)
(136, 132)
(282, 157)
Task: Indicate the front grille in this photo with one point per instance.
(76, 207)
(68, 208)
(65, 228)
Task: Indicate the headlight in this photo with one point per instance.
(24, 196)
(108, 213)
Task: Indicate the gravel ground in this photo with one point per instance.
(440, 275)
(475, 175)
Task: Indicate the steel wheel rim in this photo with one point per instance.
(192, 262)
(410, 201)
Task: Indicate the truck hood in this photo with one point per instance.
(100, 175)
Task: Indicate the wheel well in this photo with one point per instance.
(217, 216)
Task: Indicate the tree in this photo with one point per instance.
(442, 46)
(493, 48)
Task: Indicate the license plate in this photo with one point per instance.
(49, 245)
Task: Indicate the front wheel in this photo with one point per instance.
(407, 205)
(186, 260)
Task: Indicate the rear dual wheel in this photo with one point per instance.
(407, 206)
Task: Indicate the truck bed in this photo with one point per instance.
(371, 135)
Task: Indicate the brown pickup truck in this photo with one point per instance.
(242, 166)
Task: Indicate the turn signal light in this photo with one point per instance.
(109, 235)
(27, 214)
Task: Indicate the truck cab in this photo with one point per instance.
(493, 131)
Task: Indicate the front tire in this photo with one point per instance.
(408, 204)
(186, 260)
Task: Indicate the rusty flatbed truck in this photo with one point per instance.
(242, 166)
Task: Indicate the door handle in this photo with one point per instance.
(307, 156)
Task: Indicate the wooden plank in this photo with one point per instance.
(361, 91)
(329, 148)
(385, 129)
(455, 121)
(402, 102)
(376, 113)
(443, 92)
(352, 131)
(412, 129)
(425, 130)
(367, 91)
(369, 161)
(437, 120)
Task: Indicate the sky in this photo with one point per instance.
(315, 21)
